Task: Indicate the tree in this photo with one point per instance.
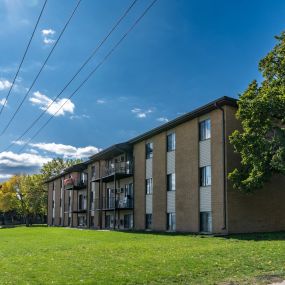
(261, 111)
(56, 166)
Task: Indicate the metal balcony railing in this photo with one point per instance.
(119, 168)
(112, 203)
(74, 184)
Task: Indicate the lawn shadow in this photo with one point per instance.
(270, 236)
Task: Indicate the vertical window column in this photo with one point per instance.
(171, 181)
(148, 184)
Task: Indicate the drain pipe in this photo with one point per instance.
(224, 165)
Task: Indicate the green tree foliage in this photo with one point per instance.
(261, 141)
(56, 166)
(26, 194)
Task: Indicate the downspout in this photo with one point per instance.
(224, 166)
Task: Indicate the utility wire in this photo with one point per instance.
(91, 73)
(76, 74)
(41, 69)
(23, 58)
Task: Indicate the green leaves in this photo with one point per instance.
(261, 140)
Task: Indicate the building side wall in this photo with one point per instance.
(139, 186)
(49, 218)
(217, 169)
(187, 173)
(262, 211)
(159, 202)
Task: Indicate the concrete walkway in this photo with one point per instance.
(279, 283)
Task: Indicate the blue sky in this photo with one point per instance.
(182, 55)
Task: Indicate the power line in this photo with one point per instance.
(41, 69)
(23, 58)
(91, 73)
(76, 74)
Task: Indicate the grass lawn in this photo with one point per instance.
(42, 255)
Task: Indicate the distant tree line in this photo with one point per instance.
(23, 198)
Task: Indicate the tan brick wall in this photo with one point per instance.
(139, 186)
(261, 211)
(159, 182)
(49, 185)
(187, 184)
(217, 188)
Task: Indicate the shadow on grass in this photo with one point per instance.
(22, 226)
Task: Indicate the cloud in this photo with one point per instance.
(4, 84)
(12, 163)
(44, 101)
(48, 32)
(162, 120)
(67, 151)
(3, 102)
(101, 101)
(47, 35)
(141, 114)
(79, 117)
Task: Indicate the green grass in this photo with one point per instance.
(42, 255)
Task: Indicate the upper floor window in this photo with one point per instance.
(171, 182)
(93, 171)
(53, 185)
(205, 130)
(171, 142)
(149, 150)
(205, 176)
(148, 186)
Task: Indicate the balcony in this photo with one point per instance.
(119, 169)
(74, 184)
(112, 203)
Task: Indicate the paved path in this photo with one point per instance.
(279, 283)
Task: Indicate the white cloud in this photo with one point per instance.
(3, 102)
(162, 120)
(67, 151)
(12, 160)
(4, 84)
(5, 176)
(44, 101)
(47, 32)
(48, 41)
(83, 116)
(47, 35)
(141, 113)
(101, 101)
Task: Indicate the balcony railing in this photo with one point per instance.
(119, 168)
(112, 203)
(74, 184)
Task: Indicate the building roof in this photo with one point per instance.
(186, 117)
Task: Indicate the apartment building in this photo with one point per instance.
(171, 178)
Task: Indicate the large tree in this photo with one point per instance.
(261, 111)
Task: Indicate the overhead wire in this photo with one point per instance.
(23, 58)
(91, 73)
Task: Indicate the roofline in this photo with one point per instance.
(225, 100)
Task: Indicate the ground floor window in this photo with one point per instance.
(92, 221)
(205, 222)
(52, 221)
(81, 221)
(109, 221)
(148, 221)
(69, 221)
(59, 221)
(127, 221)
(171, 221)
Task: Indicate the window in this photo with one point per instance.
(127, 221)
(93, 171)
(171, 142)
(129, 190)
(149, 150)
(60, 202)
(205, 222)
(52, 221)
(148, 221)
(59, 221)
(205, 130)
(171, 221)
(91, 198)
(205, 176)
(69, 221)
(53, 185)
(53, 204)
(69, 201)
(171, 182)
(148, 186)
(92, 221)
(61, 183)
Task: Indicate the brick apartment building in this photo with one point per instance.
(171, 178)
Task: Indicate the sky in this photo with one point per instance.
(181, 55)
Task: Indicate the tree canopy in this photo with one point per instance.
(261, 111)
